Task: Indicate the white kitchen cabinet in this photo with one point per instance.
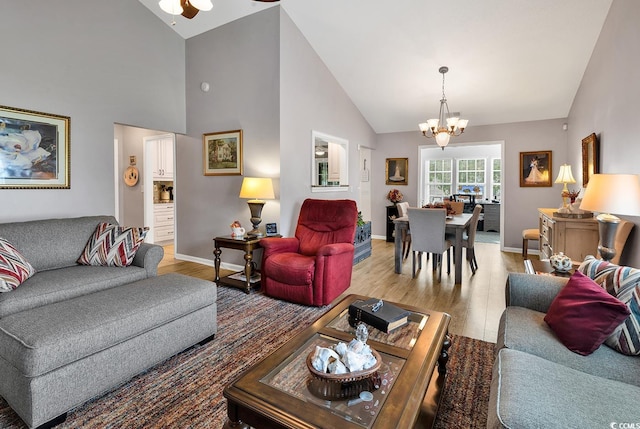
(163, 222)
(162, 159)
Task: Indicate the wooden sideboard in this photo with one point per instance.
(576, 238)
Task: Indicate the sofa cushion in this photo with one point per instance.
(625, 282)
(14, 268)
(112, 245)
(43, 339)
(52, 243)
(583, 314)
(47, 287)
(530, 392)
(525, 330)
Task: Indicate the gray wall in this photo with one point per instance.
(240, 61)
(311, 99)
(521, 204)
(607, 104)
(99, 62)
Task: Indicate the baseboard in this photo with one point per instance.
(209, 262)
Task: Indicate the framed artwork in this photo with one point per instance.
(34, 150)
(590, 158)
(222, 153)
(535, 169)
(396, 171)
(272, 229)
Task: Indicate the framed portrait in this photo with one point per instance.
(396, 171)
(590, 158)
(535, 169)
(34, 150)
(222, 153)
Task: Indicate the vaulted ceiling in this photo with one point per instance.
(509, 60)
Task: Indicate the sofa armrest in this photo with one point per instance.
(149, 257)
(532, 291)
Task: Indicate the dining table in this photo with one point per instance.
(455, 224)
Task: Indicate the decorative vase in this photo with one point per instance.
(561, 262)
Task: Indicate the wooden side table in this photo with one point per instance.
(248, 245)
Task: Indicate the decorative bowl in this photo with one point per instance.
(561, 262)
(344, 386)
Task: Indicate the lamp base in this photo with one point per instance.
(255, 206)
(607, 226)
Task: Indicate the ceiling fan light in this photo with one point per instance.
(203, 5)
(171, 6)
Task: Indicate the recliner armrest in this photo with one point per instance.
(532, 291)
(272, 245)
(335, 249)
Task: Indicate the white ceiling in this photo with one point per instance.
(509, 60)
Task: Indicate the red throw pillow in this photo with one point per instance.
(583, 314)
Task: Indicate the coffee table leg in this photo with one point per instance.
(233, 422)
(444, 355)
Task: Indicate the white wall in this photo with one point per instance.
(607, 104)
(311, 99)
(98, 63)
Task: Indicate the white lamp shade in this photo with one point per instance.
(423, 127)
(565, 175)
(462, 123)
(257, 188)
(442, 138)
(433, 124)
(613, 193)
(172, 7)
(203, 5)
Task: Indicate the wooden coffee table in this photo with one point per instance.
(276, 392)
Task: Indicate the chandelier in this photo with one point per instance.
(446, 125)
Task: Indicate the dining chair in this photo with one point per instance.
(428, 235)
(406, 233)
(469, 238)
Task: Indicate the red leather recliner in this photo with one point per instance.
(314, 267)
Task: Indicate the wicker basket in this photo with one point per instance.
(344, 386)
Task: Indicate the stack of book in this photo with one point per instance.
(385, 317)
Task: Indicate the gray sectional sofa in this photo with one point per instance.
(71, 332)
(539, 383)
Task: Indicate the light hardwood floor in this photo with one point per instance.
(475, 306)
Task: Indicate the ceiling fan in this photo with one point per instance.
(190, 8)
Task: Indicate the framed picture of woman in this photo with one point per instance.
(535, 169)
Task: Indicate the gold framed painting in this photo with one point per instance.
(590, 158)
(535, 169)
(34, 150)
(222, 153)
(396, 171)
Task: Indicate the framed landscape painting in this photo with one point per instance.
(535, 169)
(222, 153)
(34, 150)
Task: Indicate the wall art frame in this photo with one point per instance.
(590, 158)
(396, 171)
(536, 169)
(222, 153)
(34, 149)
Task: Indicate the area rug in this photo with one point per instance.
(185, 391)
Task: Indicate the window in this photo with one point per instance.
(471, 177)
(438, 184)
(496, 179)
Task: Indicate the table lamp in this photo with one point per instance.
(256, 189)
(611, 193)
(565, 176)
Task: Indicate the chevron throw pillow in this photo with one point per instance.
(14, 268)
(112, 245)
(626, 286)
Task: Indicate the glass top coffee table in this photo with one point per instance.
(280, 392)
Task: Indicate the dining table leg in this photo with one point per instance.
(397, 252)
(457, 256)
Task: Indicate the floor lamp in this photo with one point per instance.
(256, 189)
(607, 194)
